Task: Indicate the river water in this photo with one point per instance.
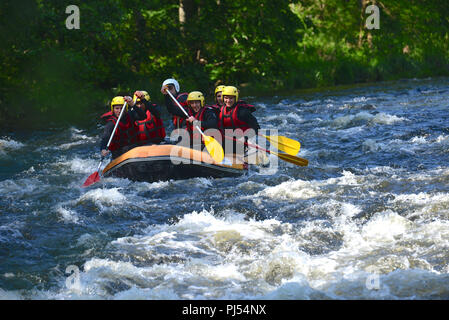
(367, 219)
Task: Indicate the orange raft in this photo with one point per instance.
(165, 162)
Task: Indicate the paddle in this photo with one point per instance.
(213, 147)
(95, 177)
(284, 144)
(286, 157)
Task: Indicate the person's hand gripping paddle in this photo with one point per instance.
(95, 177)
(213, 147)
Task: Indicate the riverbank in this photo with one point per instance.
(30, 118)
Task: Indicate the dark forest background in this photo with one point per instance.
(50, 75)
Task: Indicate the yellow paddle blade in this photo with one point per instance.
(214, 148)
(284, 144)
(292, 159)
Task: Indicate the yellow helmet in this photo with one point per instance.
(145, 94)
(118, 100)
(195, 96)
(230, 91)
(219, 89)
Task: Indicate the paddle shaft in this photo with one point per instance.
(116, 125)
(248, 144)
(213, 147)
(113, 131)
(95, 177)
(180, 107)
(286, 157)
(99, 165)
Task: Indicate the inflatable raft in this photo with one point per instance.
(164, 162)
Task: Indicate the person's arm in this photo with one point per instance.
(246, 116)
(153, 108)
(135, 113)
(173, 108)
(105, 137)
(210, 119)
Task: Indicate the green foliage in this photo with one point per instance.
(50, 74)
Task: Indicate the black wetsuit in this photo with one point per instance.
(171, 105)
(152, 107)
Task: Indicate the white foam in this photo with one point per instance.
(414, 284)
(379, 118)
(76, 138)
(146, 294)
(442, 139)
(383, 118)
(20, 187)
(360, 99)
(203, 256)
(347, 178)
(424, 207)
(77, 134)
(418, 140)
(205, 182)
(411, 146)
(67, 215)
(7, 144)
(285, 118)
(300, 189)
(69, 145)
(422, 198)
(110, 196)
(214, 248)
(295, 117)
(145, 186)
(78, 165)
(292, 290)
(386, 226)
(10, 295)
(297, 189)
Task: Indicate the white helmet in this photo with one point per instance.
(173, 82)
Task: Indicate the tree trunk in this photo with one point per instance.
(187, 10)
(363, 5)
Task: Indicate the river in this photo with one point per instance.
(367, 219)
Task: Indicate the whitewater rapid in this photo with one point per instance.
(367, 219)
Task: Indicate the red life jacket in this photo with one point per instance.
(179, 122)
(194, 133)
(151, 129)
(126, 132)
(228, 118)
